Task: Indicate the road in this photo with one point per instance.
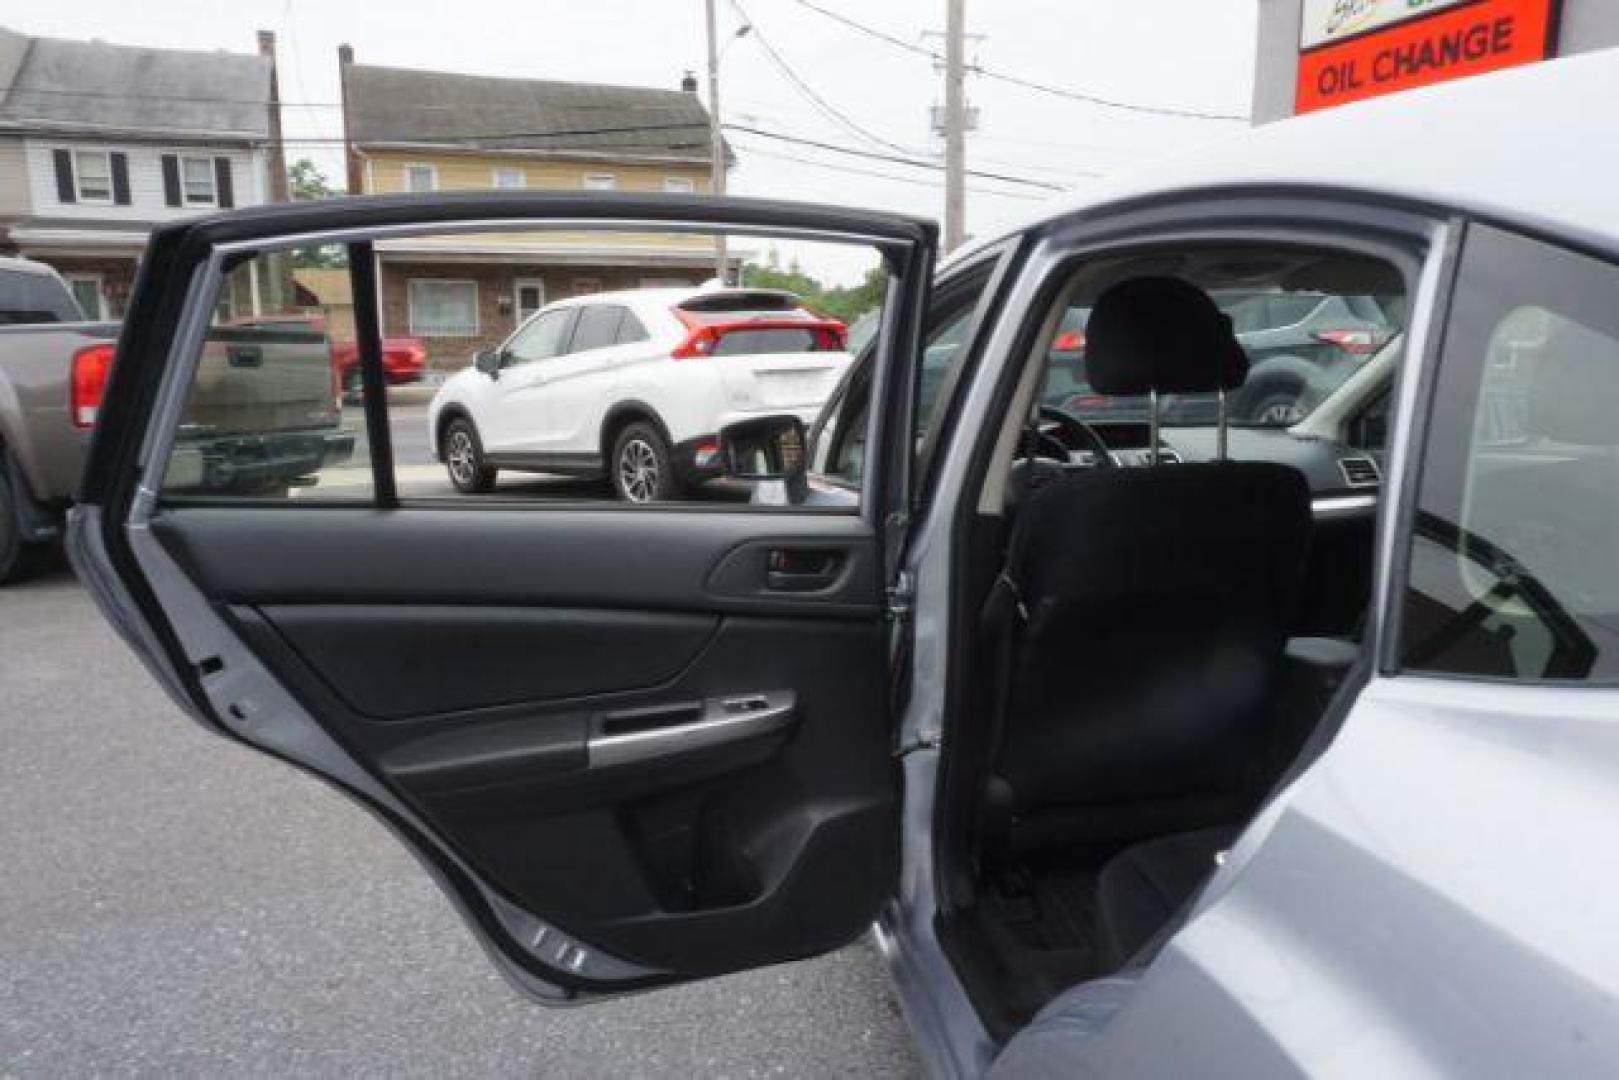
(175, 905)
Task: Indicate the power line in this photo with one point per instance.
(880, 175)
(897, 159)
(837, 115)
(1014, 80)
(873, 32)
(1093, 99)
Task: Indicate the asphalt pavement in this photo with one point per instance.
(173, 904)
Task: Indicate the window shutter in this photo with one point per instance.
(64, 176)
(171, 180)
(222, 183)
(120, 179)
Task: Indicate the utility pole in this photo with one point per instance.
(716, 141)
(955, 122)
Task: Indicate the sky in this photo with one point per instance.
(1187, 55)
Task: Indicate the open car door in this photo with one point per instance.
(635, 745)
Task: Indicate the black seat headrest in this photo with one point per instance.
(1574, 390)
(1164, 334)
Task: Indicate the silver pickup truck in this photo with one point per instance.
(265, 411)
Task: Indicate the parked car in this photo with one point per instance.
(53, 365)
(404, 359)
(1301, 345)
(634, 386)
(1295, 763)
(259, 385)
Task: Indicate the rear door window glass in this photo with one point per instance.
(1512, 571)
(597, 328)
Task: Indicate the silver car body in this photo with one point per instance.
(1428, 896)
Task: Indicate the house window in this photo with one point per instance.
(421, 178)
(679, 185)
(92, 169)
(600, 182)
(528, 297)
(87, 291)
(510, 178)
(197, 179)
(443, 308)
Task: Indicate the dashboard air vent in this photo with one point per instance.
(1359, 472)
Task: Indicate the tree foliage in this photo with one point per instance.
(845, 303)
(305, 181)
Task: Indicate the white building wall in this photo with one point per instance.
(145, 180)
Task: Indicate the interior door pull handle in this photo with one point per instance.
(644, 735)
(802, 570)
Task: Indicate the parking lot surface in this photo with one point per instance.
(173, 904)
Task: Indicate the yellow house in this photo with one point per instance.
(422, 131)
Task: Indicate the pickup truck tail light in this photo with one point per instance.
(91, 367)
(703, 338)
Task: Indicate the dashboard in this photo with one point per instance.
(1343, 479)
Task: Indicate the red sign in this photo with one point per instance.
(1486, 35)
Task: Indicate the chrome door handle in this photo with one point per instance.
(645, 734)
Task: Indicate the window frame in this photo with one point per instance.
(592, 181)
(410, 306)
(432, 177)
(97, 282)
(185, 182)
(509, 170)
(79, 155)
(679, 185)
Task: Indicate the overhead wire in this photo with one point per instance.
(838, 116)
(1015, 80)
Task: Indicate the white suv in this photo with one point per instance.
(635, 386)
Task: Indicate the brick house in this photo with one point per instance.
(409, 130)
(99, 143)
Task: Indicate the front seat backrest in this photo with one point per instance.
(1156, 601)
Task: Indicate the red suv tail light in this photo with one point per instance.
(1353, 342)
(698, 344)
(91, 368)
(829, 335)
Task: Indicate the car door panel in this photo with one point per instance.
(629, 754)
(430, 657)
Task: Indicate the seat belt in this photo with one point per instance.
(1001, 622)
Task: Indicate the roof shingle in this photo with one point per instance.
(404, 106)
(98, 88)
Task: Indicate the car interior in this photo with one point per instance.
(1160, 611)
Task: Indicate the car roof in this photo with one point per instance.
(666, 296)
(1535, 146)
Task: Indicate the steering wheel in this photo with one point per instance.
(1069, 432)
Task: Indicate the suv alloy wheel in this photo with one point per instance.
(643, 466)
(463, 458)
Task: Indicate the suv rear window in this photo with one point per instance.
(744, 342)
(34, 298)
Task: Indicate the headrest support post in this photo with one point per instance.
(1152, 426)
(1220, 426)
